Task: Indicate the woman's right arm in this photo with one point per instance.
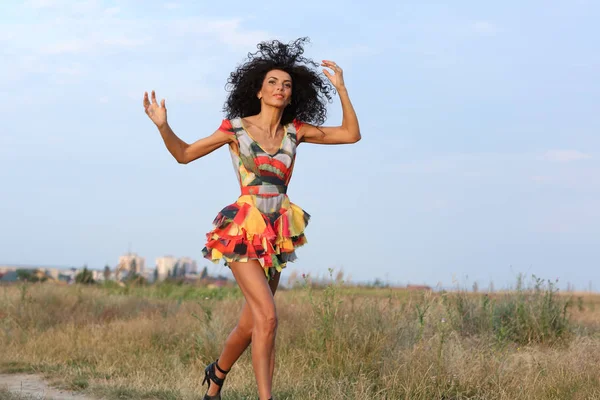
(185, 153)
(180, 150)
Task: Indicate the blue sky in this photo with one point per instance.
(479, 159)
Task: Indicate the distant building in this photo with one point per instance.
(52, 273)
(68, 275)
(165, 266)
(65, 277)
(169, 266)
(186, 266)
(9, 276)
(98, 276)
(131, 263)
(4, 269)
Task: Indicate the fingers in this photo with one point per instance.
(149, 107)
(146, 103)
(332, 65)
(146, 100)
(336, 69)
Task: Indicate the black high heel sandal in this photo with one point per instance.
(210, 375)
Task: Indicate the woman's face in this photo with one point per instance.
(276, 89)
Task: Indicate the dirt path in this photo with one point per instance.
(34, 387)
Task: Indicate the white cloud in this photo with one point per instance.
(90, 44)
(565, 155)
(74, 47)
(228, 31)
(76, 35)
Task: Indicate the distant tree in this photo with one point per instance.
(135, 279)
(106, 272)
(23, 275)
(133, 266)
(176, 270)
(378, 283)
(85, 277)
(29, 276)
(204, 273)
(156, 275)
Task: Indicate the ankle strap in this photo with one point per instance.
(219, 368)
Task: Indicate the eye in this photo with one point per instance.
(288, 85)
(271, 82)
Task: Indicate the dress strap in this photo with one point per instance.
(236, 123)
(292, 130)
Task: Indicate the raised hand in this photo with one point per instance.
(337, 79)
(156, 112)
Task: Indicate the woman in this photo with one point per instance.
(276, 102)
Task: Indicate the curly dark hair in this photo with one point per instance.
(310, 91)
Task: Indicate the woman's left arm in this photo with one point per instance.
(349, 131)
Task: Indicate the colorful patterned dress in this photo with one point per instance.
(262, 224)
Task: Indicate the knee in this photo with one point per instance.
(266, 324)
(244, 329)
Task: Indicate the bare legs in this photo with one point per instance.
(257, 325)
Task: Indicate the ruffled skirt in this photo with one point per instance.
(241, 232)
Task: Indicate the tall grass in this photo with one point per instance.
(334, 342)
(5, 394)
(529, 314)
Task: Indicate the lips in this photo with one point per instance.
(278, 96)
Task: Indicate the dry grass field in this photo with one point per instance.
(334, 342)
